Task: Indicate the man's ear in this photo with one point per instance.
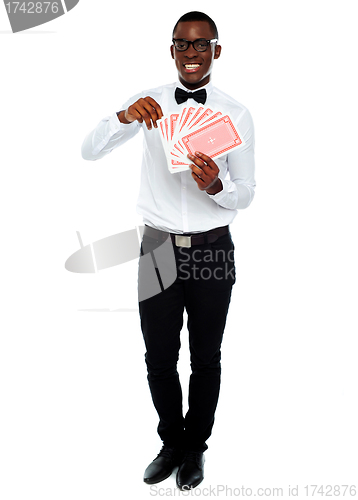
(217, 51)
(172, 51)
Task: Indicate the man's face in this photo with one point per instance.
(194, 77)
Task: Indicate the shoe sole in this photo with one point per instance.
(191, 487)
(150, 481)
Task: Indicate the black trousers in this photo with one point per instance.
(205, 276)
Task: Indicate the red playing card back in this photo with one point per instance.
(214, 139)
(172, 124)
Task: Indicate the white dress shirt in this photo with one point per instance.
(173, 202)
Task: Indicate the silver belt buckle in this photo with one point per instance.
(182, 241)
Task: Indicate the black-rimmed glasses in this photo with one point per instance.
(200, 45)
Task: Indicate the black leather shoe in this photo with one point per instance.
(191, 471)
(163, 465)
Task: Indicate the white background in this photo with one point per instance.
(77, 420)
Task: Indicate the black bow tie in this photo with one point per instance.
(182, 96)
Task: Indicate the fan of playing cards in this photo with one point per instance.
(196, 129)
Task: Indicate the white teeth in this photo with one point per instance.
(191, 66)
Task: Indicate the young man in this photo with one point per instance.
(199, 203)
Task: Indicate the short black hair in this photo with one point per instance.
(197, 16)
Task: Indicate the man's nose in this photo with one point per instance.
(191, 52)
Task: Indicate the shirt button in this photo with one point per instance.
(184, 187)
(184, 213)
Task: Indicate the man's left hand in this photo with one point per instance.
(205, 172)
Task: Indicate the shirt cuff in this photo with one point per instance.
(228, 187)
(116, 126)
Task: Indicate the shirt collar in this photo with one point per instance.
(208, 87)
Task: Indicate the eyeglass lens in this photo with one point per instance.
(200, 45)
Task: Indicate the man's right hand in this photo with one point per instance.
(145, 109)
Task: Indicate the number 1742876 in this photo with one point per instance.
(32, 7)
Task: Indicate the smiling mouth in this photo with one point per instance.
(192, 66)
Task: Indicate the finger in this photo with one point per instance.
(156, 106)
(200, 182)
(201, 164)
(150, 114)
(198, 171)
(147, 112)
(206, 159)
(197, 161)
(132, 111)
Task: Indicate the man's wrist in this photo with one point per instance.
(121, 117)
(215, 188)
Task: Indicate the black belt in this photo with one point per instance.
(188, 239)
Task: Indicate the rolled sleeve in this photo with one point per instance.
(109, 134)
(239, 191)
